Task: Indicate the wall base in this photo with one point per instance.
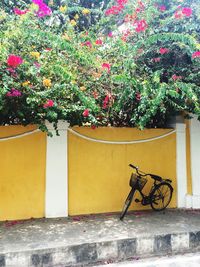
(193, 201)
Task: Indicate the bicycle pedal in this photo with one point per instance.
(137, 200)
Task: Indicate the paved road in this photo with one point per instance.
(187, 260)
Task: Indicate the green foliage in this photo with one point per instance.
(131, 78)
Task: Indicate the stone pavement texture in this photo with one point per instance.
(83, 240)
(187, 260)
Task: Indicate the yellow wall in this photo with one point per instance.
(22, 174)
(99, 173)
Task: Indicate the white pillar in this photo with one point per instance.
(195, 161)
(56, 200)
(181, 167)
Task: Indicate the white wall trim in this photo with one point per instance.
(195, 161)
(120, 142)
(56, 198)
(181, 167)
(188, 201)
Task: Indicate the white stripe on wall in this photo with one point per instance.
(181, 167)
(195, 161)
(56, 199)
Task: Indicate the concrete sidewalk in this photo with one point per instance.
(83, 240)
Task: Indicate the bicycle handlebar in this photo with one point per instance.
(137, 170)
(141, 173)
(132, 166)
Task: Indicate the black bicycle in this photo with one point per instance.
(160, 194)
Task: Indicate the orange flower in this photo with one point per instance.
(47, 82)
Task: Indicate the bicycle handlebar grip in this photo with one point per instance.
(132, 166)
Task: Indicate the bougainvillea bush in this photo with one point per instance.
(138, 64)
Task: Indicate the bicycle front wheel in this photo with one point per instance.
(127, 204)
(161, 196)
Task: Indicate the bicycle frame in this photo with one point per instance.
(137, 183)
(145, 198)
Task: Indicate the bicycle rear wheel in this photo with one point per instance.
(127, 204)
(161, 196)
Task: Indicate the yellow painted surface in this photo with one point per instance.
(22, 175)
(99, 173)
(188, 156)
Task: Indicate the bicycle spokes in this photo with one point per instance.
(161, 196)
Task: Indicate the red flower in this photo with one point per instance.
(187, 11)
(162, 8)
(196, 54)
(106, 66)
(106, 101)
(163, 50)
(48, 104)
(99, 42)
(86, 113)
(175, 77)
(14, 61)
(141, 25)
(20, 12)
(87, 43)
(93, 127)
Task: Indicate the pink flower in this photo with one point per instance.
(37, 65)
(11, 70)
(178, 14)
(43, 9)
(141, 25)
(115, 10)
(95, 94)
(175, 77)
(86, 113)
(138, 96)
(20, 12)
(110, 34)
(163, 50)
(187, 11)
(14, 61)
(106, 66)
(87, 43)
(141, 4)
(156, 59)
(122, 2)
(99, 42)
(13, 93)
(138, 10)
(48, 104)
(196, 54)
(162, 8)
(37, 2)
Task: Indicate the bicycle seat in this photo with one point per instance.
(156, 177)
